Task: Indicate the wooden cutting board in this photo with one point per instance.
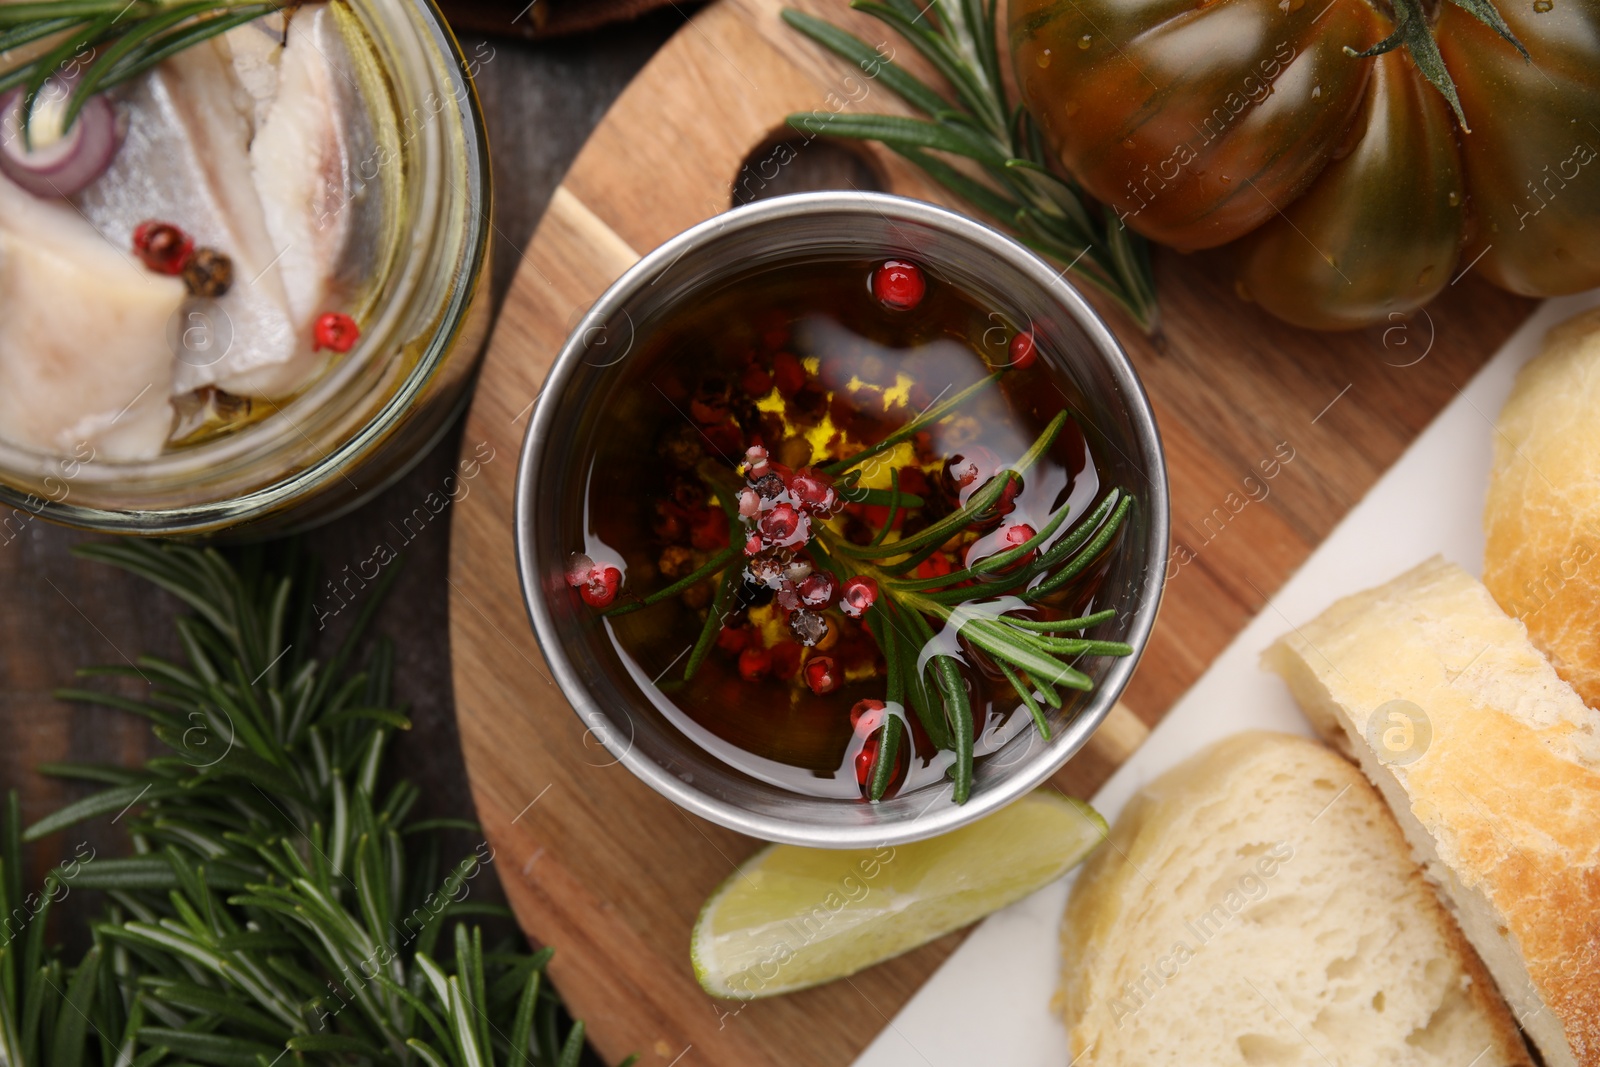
(598, 865)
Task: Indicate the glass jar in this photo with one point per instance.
(365, 421)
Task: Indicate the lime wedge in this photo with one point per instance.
(793, 917)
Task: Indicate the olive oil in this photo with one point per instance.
(809, 364)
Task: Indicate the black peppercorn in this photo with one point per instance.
(208, 273)
(769, 486)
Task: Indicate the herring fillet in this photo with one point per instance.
(84, 354)
(303, 166)
(185, 160)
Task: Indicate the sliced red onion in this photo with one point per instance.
(275, 26)
(67, 165)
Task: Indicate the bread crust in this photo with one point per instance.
(1507, 791)
(1542, 519)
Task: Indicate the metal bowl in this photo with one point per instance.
(573, 410)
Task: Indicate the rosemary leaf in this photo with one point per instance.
(78, 10)
(980, 502)
(1046, 625)
(1078, 647)
(105, 802)
(990, 564)
(207, 1048)
(867, 59)
(72, 1026)
(913, 634)
(883, 763)
(896, 498)
(523, 1028)
(1088, 555)
(705, 570)
(958, 709)
(1024, 693)
(572, 1051)
(713, 623)
(878, 623)
(29, 32)
(914, 134)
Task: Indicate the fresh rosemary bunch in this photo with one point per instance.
(1049, 213)
(94, 45)
(976, 602)
(270, 912)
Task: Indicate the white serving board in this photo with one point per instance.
(990, 1003)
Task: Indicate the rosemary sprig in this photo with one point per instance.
(1028, 654)
(923, 672)
(273, 904)
(104, 43)
(1049, 213)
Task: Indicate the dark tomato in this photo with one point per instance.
(1195, 122)
(1378, 233)
(1357, 194)
(1532, 159)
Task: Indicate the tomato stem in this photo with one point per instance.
(1414, 30)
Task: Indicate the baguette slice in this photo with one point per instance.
(1501, 803)
(1258, 907)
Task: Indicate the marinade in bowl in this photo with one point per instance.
(840, 519)
(265, 301)
(801, 361)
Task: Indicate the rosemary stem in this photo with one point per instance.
(713, 623)
(998, 561)
(927, 418)
(980, 502)
(894, 509)
(705, 570)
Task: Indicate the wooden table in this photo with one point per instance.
(58, 613)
